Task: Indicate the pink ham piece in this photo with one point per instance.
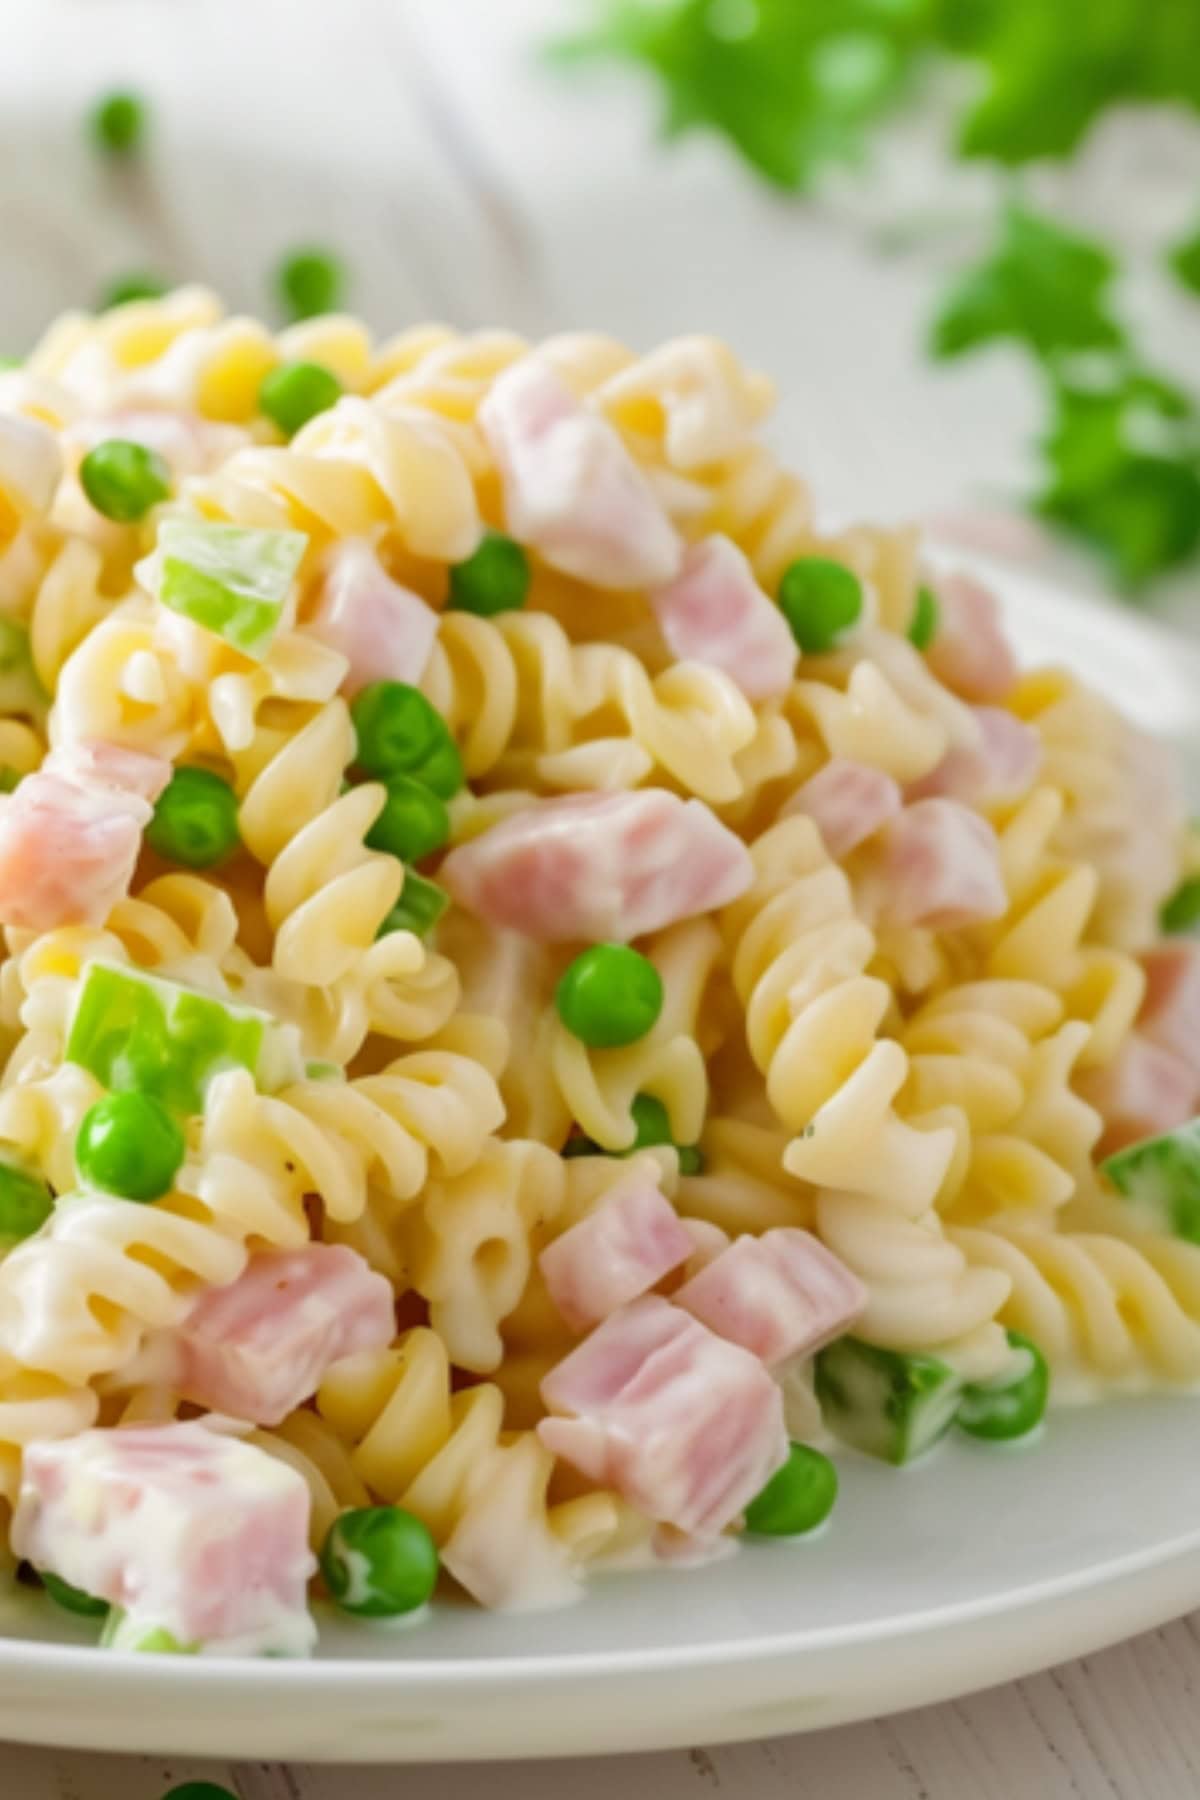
(848, 802)
(621, 1250)
(779, 1296)
(384, 630)
(260, 1347)
(599, 867)
(941, 867)
(1145, 1090)
(571, 489)
(970, 652)
(714, 612)
(1000, 768)
(687, 1427)
(189, 1530)
(1170, 1015)
(70, 835)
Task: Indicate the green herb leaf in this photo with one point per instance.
(1042, 285)
(794, 87)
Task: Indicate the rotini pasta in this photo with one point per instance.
(463, 1083)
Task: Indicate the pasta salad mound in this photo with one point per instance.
(544, 992)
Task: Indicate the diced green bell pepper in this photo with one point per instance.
(891, 1404)
(137, 1031)
(1160, 1180)
(232, 580)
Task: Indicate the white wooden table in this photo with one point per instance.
(461, 181)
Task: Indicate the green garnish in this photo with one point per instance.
(420, 906)
(1182, 911)
(73, 1599)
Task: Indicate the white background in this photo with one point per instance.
(461, 181)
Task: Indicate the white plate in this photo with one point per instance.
(978, 1565)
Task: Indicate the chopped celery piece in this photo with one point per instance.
(137, 1031)
(889, 1403)
(1160, 1180)
(123, 1631)
(230, 579)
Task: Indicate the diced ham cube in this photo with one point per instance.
(621, 1250)
(1145, 1090)
(94, 763)
(714, 612)
(779, 1296)
(848, 802)
(71, 832)
(970, 651)
(941, 867)
(687, 1427)
(1170, 1015)
(384, 630)
(187, 1529)
(571, 489)
(260, 1347)
(1000, 768)
(599, 866)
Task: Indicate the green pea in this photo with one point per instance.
(73, 1599)
(1182, 911)
(25, 1204)
(195, 819)
(798, 1497)
(924, 623)
(199, 1790)
(494, 578)
(123, 480)
(653, 1125)
(414, 821)
(419, 907)
(820, 600)
(310, 282)
(1012, 1405)
(137, 285)
(379, 1561)
(296, 392)
(610, 995)
(128, 1144)
(118, 122)
(400, 732)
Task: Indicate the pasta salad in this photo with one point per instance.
(545, 994)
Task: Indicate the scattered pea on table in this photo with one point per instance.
(309, 282)
(609, 996)
(118, 122)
